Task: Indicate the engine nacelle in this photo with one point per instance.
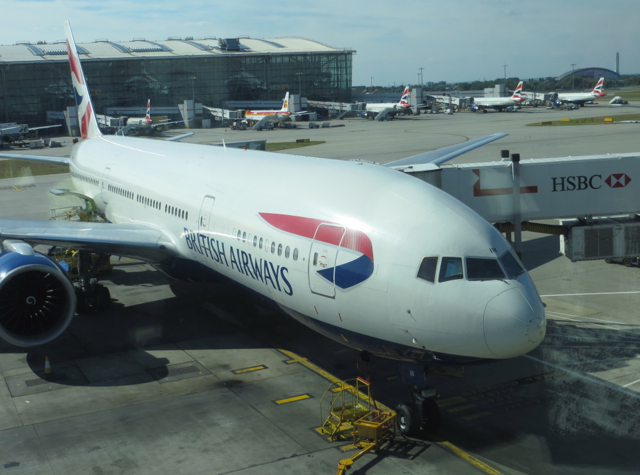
(474, 108)
(37, 298)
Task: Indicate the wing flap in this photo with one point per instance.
(127, 240)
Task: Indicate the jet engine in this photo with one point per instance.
(37, 298)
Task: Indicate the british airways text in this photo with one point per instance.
(243, 262)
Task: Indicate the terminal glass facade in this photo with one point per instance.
(28, 91)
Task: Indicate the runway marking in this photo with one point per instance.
(292, 399)
(247, 370)
(592, 293)
(595, 320)
(586, 377)
(436, 440)
(462, 408)
(15, 188)
(631, 384)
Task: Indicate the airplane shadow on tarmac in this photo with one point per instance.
(528, 415)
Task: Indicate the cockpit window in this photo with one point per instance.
(483, 269)
(511, 265)
(427, 270)
(450, 269)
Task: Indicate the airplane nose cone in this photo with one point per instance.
(513, 323)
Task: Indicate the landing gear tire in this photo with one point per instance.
(608, 260)
(408, 419)
(430, 415)
(96, 298)
(626, 262)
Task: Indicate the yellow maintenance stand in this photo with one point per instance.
(352, 412)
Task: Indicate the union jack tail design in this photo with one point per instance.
(517, 94)
(86, 112)
(598, 90)
(404, 101)
(148, 116)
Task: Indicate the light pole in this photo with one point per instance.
(193, 93)
(505, 71)
(421, 76)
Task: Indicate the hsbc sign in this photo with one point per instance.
(593, 182)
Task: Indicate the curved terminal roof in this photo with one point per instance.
(591, 73)
(102, 49)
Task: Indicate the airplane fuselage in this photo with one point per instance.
(342, 257)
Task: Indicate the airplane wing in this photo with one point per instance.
(431, 160)
(159, 124)
(44, 127)
(37, 158)
(127, 240)
(383, 113)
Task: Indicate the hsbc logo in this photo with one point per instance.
(593, 182)
(618, 180)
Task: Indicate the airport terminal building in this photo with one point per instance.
(35, 79)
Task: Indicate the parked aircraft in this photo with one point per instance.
(259, 115)
(384, 110)
(384, 263)
(581, 98)
(498, 103)
(146, 125)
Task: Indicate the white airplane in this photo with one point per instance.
(581, 98)
(146, 125)
(383, 110)
(498, 103)
(259, 115)
(383, 263)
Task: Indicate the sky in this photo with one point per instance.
(452, 41)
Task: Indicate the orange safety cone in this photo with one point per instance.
(47, 366)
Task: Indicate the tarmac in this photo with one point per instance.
(180, 385)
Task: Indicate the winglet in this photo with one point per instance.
(86, 112)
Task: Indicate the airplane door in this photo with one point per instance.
(105, 177)
(204, 221)
(322, 259)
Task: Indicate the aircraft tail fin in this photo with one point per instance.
(86, 112)
(598, 89)
(148, 116)
(517, 94)
(404, 100)
(285, 104)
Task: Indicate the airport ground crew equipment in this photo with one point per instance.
(346, 402)
(370, 432)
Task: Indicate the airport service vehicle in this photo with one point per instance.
(581, 98)
(372, 258)
(498, 103)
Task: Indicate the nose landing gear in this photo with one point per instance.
(423, 411)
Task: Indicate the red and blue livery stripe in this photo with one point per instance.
(355, 253)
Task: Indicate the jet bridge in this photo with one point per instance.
(575, 189)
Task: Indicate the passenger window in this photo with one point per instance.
(273, 247)
(279, 249)
(260, 244)
(483, 269)
(255, 241)
(427, 269)
(244, 237)
(295, 254)
(239, 235)
(286, 252)
(450, 269)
